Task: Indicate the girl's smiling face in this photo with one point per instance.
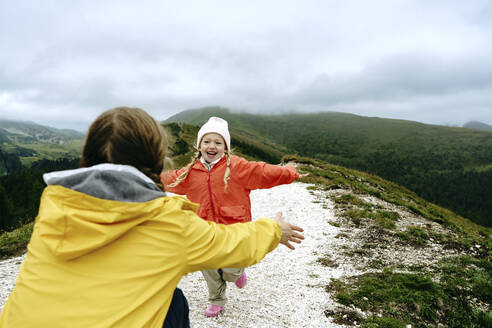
(212, 147)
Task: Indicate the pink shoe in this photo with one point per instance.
(241, 281)
(213, 310)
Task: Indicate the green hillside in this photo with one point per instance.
(22, 143)
(27, 150)
(446, 165)
(29, 133)
(453, 292)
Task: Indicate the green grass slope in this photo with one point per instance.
(378, 218)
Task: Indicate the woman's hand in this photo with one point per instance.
(290, 232)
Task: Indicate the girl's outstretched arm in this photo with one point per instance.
(260, 175)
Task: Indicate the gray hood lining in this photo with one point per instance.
(108, 181)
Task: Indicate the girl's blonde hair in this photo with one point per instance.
(196, 158)
(129, 136)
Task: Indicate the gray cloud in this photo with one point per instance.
(63, 63)
(402, 78)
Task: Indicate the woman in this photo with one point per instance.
(109, 248)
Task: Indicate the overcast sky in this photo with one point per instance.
(62, 63)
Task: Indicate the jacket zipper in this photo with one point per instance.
(210, 195)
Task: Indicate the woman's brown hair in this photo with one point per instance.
(128, 136)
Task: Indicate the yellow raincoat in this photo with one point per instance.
(99, 262)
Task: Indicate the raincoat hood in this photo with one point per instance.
(101, 204)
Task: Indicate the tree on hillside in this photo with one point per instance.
(9, 162)
(180, 147)
(20, 191)
(7, 220)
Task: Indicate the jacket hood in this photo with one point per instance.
(85, 209)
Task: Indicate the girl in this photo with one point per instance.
(108, 247)
(221, 184)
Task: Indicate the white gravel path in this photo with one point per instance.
(286, 289)
(8, 275)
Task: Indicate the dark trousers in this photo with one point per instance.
(178, 314)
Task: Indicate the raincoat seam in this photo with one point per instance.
(59, 245)
(183, 235)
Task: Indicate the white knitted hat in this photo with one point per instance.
(215, 125)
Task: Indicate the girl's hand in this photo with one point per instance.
(303, 175)
(290, 232)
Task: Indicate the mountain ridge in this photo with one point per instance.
(31, 131)
(477, 126)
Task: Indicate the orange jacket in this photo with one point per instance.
(231, 205)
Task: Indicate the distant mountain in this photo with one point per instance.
(29, 132)
(450, 166)
(22, 143)
(351, 140)
(477, 126)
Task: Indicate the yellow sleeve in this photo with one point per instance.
(212, 246)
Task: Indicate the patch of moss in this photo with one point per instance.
(418, 300)
(383, 322)
(13, 243)
(414, 235)
(466, 276)
(327, 261)
(386, 219)
(344, 316)
(349, 199)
